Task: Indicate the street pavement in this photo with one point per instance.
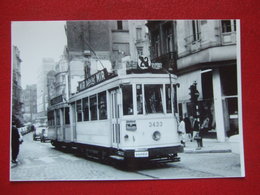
(41, 161)
(209, 146)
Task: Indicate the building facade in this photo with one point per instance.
(95, 45)
(16, 85)
(47, 65)
(30, 103)
(163, 40)
(205, 52)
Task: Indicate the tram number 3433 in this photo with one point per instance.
(156, 124)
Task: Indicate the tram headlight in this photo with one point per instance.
(156, 135)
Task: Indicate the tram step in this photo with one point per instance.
(116, 157)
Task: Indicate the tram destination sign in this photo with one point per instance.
(94, 79)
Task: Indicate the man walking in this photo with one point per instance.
(15, 142)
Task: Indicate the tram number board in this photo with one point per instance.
(140, 154)
(155, 124)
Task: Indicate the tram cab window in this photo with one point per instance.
(57, 117)
(102, 105)
(79, 111)
(85, 109)
(168, 92)
(67, 116)
(93, 108)
(127, 92)
(153, 98)
(139, 99)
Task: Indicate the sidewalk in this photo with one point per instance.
(209, 146)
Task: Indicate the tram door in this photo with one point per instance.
(114, 111)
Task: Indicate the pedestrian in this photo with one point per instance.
(181, 131)
(198, 135)
(205, 125)
(15, 141)
(188, 127)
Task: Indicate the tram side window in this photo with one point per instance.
(85, 109)
(153, 98)
(139, 99)
(127, 99)
(67, 116)
(168, 92)
(51, 121)
(93, 108)
(57, 117)
(79, 111)
(102, 105)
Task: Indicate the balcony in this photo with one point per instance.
(195, 43)
(168, 60)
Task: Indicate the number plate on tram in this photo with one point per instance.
(139, 154)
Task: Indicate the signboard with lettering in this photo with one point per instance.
(144, 63)
(93, 80)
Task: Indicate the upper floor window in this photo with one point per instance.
(168, 34)
(138, 33)
(157, 51)
(228, 25)
(120, 25)
(195, 30)
(139, 51)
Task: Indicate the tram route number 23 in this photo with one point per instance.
(156, 124)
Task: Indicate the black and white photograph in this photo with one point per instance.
(126, 100)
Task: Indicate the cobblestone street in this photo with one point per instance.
(41, 161)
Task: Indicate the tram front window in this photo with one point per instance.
(127, 99)
(153, 98)
(139, 99)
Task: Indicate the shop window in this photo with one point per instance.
(168, 92)
(67, 116)
(79, 111)
(102, 105)
(139, 99)
(93, 108)
(153, 98)
(127, 99)
(85, 109)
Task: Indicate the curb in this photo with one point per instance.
(207, 151)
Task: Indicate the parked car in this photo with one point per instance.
(38, 131)
(44, 135)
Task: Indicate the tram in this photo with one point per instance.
(125, 117)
